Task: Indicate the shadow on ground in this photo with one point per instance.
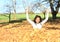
(13, 21)
(52, 28)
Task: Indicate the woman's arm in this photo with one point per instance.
(47, 15)
(27, 17)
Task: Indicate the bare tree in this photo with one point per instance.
(40, 7)
(54, 5)
(9, 11)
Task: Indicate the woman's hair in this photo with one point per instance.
(37, 16)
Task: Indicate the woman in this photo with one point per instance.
(37, 23)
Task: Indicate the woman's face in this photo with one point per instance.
(37, 20)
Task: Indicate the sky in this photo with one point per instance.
(20, 5)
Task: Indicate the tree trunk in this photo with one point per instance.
(44, 15)
(54, 16)
(54, 12)
(9, 17)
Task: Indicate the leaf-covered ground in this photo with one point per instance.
(23, 32)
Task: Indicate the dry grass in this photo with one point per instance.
(23, 32)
